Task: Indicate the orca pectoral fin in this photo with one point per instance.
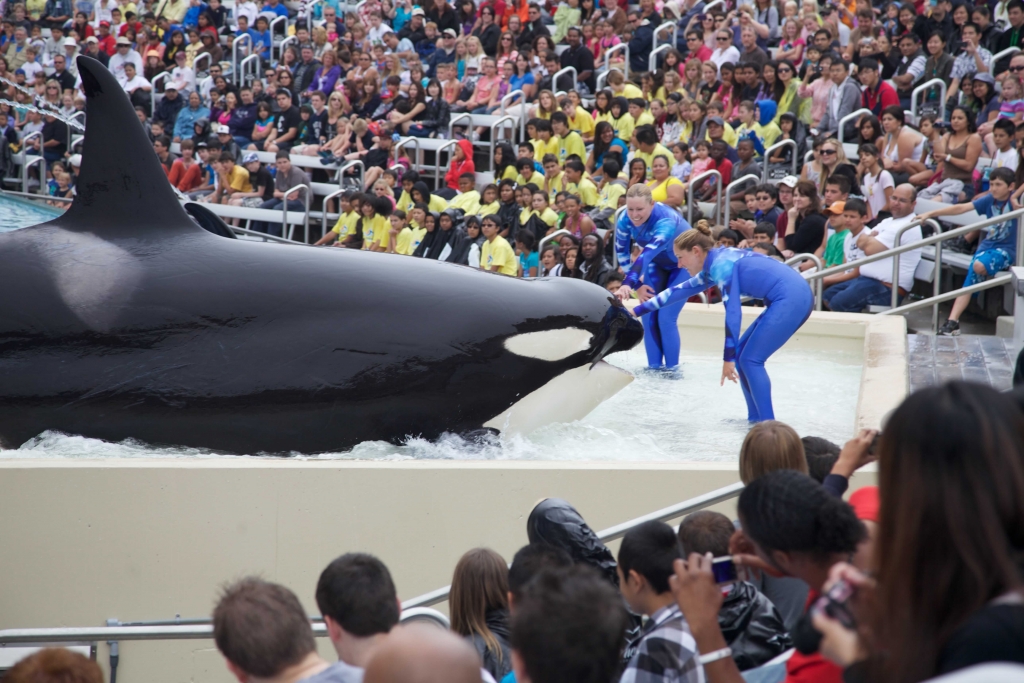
(569, 397)
(209, 221)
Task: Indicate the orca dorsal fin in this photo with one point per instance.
(121, 187)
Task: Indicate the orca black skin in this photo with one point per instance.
(124, 319)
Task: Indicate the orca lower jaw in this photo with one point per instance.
(568, 397)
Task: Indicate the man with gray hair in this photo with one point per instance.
(873, 287)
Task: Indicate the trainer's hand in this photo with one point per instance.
(729, 373)
(624, 292)
(644, 293)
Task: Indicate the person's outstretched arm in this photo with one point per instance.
(680, 292)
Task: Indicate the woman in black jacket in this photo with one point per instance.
(807, 219)
(487, 31)
(591, 265)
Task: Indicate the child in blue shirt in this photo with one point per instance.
(529, 260)
(997, 251)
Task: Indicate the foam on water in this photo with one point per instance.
(682, 415)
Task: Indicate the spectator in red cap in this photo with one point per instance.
(106, 39)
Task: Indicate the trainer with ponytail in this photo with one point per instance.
(653, 226)
(738, 273)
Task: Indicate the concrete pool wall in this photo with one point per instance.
(143, 539)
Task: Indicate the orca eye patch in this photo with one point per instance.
(550, 345)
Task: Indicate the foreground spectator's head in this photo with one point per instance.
(821, 455)
(261, 629)
(796, 526)
(568, 626)
(420, 653)
(951, 522)
(770, 446)
(55, 665)
(530, 561)
(705, 532)
(479, 589)
(357, 599)
(645, 563)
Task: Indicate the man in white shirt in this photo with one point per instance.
(124, 54)
(182, 77)
(873, 287)
(724, 50)
(138, 88)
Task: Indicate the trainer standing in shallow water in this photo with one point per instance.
(653, 226)
(737, 273)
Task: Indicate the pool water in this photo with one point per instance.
(15, 213)
(660, 417)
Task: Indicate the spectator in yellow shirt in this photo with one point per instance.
(400, 234)
(554, 178)
(638, 110)
(346, 224)
(468, 199)
(569, 141)
(527, 173)
(620, 88)
(580, 119)
(576, 184)
(648, 147)
(496, 254)
(545, 143)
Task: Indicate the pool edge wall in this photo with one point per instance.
(88, 540)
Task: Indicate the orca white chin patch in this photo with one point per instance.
(550, 345)
(569, 397)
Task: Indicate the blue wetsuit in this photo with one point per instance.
(788, 301)
(659, 267)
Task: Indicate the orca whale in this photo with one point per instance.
(123, 318)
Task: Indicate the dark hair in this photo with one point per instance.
(868, 64)
(706, 532)
(646, 135)
(524, 162)
(527, 239)
(1003, 173)
(560, 117)
(593, 263)
(765, 228)
(821, 453)
(261, 627)
(951, 482)
(649, 550)
(612, 168)
(788, 511)
(1006, 125)
(535, 557)
(357, 592)
(730, 234)
(858, 205)
(569, 625)
(865, 148)
(382, 206)
(876, 128)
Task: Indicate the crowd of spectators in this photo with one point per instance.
(916, 577)
(336, 83)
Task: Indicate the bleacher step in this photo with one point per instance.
(933, 360)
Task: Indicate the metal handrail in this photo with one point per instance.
(284, 210)
(244, 67)
(999, 55)
(553, 237)
(623, 47)
(849, 117)
(284, 45)
(323, 216)
(451, 144)
(602, 78)
(713, 3)
(411, 140)
(997, 281)
(262, 235)
(273, 23)
(728, 193)
(689, 198)
(499, 123)
(184, 629)
(767, 155)
(157, 80)
(458, 117)
(669, 25)
(506, 101)
(800, 258)
(198, 58)
(30, 160)
(235, 64)
(554, 79)
(652, 61)
(613, 533)
(352, 164)
(923, 88)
